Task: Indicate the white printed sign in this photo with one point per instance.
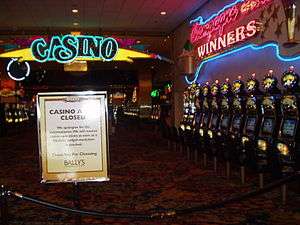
(73, 136)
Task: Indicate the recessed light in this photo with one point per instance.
(163, 13)
(74, 10)
(75, 24)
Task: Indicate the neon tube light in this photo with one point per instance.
(12, 75)
(202, 22)
(67, 48)
(249, 46)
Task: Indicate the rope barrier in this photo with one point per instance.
(157, 215)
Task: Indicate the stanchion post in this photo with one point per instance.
(196, 156)
(188, 152)
(76, 202)
(204, 160)
(243, 174)
(4, 205)
(215, 164)
(283, 193)
(261, 180)
(227, 169)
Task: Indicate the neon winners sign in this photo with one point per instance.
(67, 48)
(216, 33)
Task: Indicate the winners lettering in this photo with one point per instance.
(241, 33)
(68, 114)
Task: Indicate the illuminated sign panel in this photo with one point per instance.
(217, 33)
(65, 49)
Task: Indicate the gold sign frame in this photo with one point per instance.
(72, 163)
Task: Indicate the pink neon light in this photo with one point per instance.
(216, 26)
(240, 34)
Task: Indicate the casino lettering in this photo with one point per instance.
(67, 48)
(64, 114)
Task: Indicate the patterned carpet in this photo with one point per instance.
(145, 177)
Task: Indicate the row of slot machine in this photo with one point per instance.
(13, 115)
(246, 125)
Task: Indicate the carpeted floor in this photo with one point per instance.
(145, 177)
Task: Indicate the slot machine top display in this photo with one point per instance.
(237, 89)
(289, 100)
(215, 88)
(252, 85)
(225, 91)
(237, 86)
(205, 90)
(225, 88)
(290, 80)
(270, 82)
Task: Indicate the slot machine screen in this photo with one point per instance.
(250, 126)
(214, 120)
(289, 127)
(236, 122)
(205, 120)
(198, 117)
(268, 126)
(225, 121)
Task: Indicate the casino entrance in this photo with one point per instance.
(149, 112)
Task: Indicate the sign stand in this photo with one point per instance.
(76, 201)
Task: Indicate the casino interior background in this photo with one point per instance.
(175, 46)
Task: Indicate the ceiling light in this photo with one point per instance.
(163, 13)
(74, 10)
(75, 24)
(138, 41)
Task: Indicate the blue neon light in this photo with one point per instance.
(202, 22)
(249, 46)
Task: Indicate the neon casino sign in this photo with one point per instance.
(65, 49)
(215, 34)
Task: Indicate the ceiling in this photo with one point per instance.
(140, 17)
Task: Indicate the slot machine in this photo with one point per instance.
(214, 121)
(197, 121)
(237, 123)
(225, 117)
(192, 106)
(267, 129)
(185, 109)
(251, 125)
(204, 122)
(198, 104)
(189, 134)
(184, 128)
(287, 143)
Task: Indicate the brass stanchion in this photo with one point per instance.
(215, 164)
(227, 169)
(196, 156)
(261, 180)
(283, 194)
(188, 152)
(204, 160)
(243, 174)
